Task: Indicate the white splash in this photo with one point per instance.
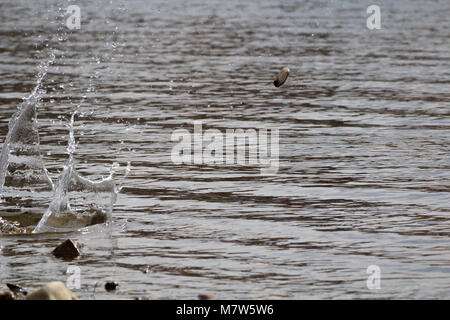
(21, 164)
(77, 201)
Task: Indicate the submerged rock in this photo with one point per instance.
(68, 221)
(10, 227)
(55, 290)
(98, 217)
(67, 250)
(63, 216)
(282, 76)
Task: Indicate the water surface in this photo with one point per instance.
(364, 145)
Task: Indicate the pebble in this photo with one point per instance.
(282, 76)
(111, 285)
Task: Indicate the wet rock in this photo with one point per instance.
(7, 295)
(282, 76)
(67, 250)
(55, 290)
(16, 289)
(111, 285)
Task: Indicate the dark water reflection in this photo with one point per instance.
(364, 145)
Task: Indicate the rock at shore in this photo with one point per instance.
(55, 290)
(7, 295)
(67, 250)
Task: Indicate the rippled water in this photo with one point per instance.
(364, 145)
